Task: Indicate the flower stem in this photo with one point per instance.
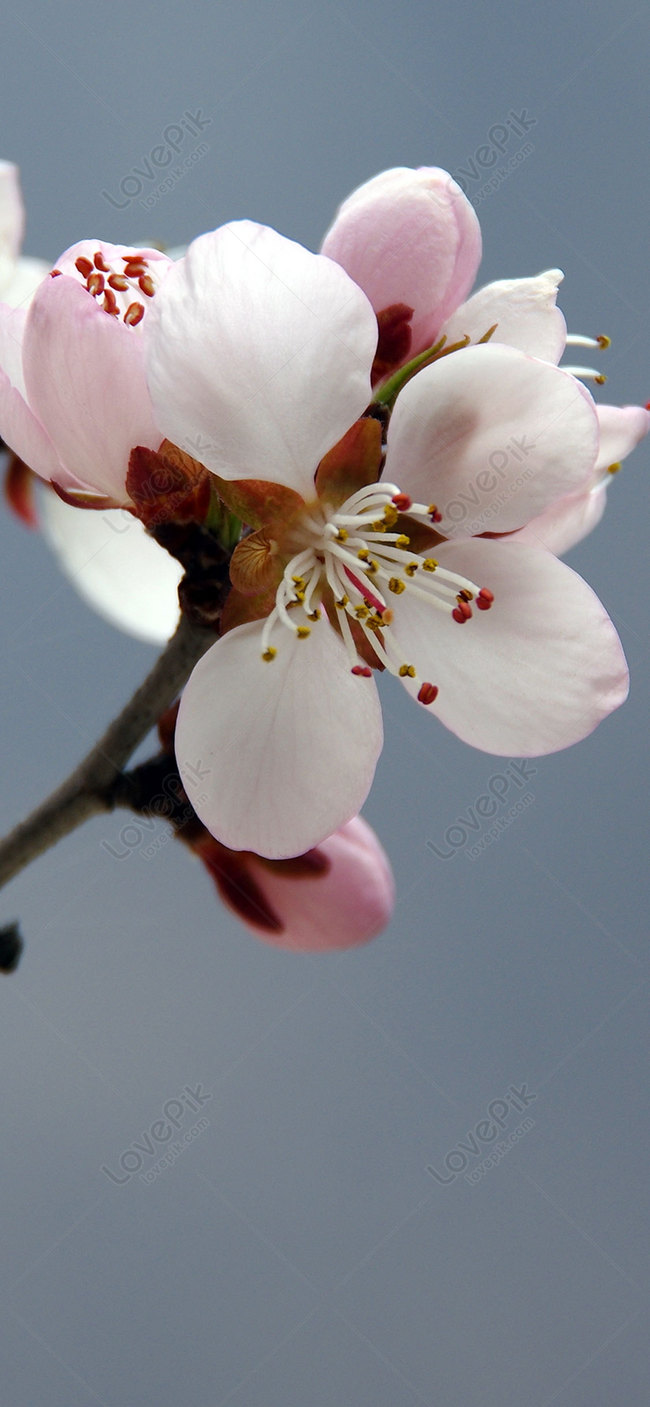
(89, 789)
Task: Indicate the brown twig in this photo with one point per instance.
(90, 788)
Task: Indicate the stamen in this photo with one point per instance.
(585, 373)
(110, 303)
(576, 339)
(134, 314)
(428, 693)
(463, 611)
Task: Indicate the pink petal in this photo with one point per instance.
(409, 237)
(115, 566)
(532, 675)
(349, 904)
(492, 437)
(621, 430)
(565, 522)
(259, 355)
(275, 756)
(524, 311)
(85, 382)
(19, 427)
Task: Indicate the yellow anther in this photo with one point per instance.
(269, 654)
(406, 671)
(403, 541)
(372, 566)
(363, 554)
(342, 534)
(396, 585)
(600, 380)
(379, 526)
(429, 564)
(361, 612)
(343, 602)
(614, 468)
(375, 621)
(302, 631)
(604, 341)
(411, 568)
(390, 515)
(299, 581)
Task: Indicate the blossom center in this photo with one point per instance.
(118, 290)
(354, 554)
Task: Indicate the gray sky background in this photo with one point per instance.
(299, 1251)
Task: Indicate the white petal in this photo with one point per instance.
(532, 675)
(621, 430)
(275, 756)
(115, 566)
(524, 311)
(565, 522)
(259, 355)
(26, 276)
(492, 437)
(12, 220)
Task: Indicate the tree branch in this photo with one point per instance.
(89, 789)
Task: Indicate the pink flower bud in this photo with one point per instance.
(334, 897)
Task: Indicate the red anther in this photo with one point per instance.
(484, 599)
(100, 263)
(457, 615)
(134, 267)
(362, 670)
(464, 608)
(134, 314)
(146, 284)
(83, 265)
(55, 273)
(435, 515)
(118, 281)
(427, 693)
(110, 303)
(647, 405)
(95, 284)
(402, 502)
